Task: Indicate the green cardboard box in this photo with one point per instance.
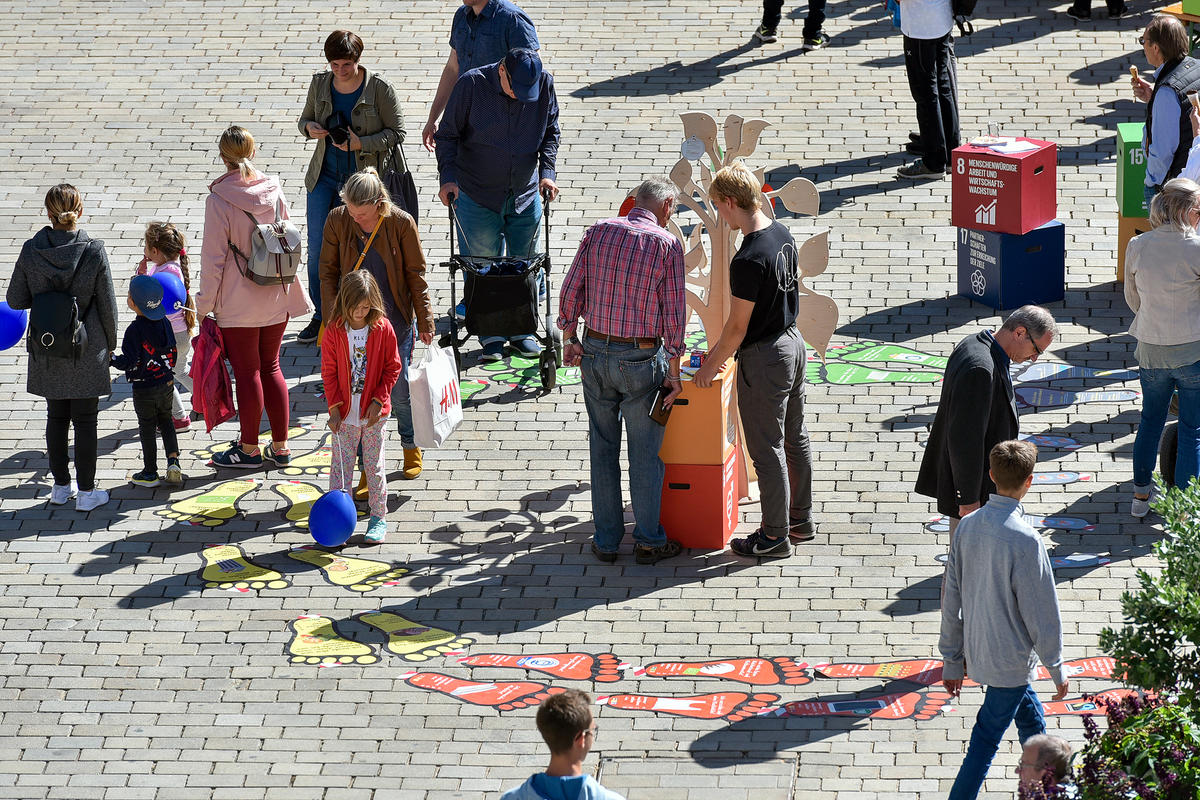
(1131, 170)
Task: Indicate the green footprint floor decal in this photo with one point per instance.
(854, 375)
(520, 371)
(355, 574)
(315, 640)
(227, 567)
(471, 387)
(884, 353)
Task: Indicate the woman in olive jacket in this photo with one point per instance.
(355, 117)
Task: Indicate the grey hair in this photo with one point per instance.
(1171, 206)
(366, 188)
(1052, 751)
(1036, 321)
(654, 191)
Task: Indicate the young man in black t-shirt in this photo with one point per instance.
(764, 281)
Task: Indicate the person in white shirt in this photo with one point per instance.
(932, 79)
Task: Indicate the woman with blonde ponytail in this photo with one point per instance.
(62, 258)
(252, 318)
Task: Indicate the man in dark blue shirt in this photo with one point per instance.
(482, 33)
(496, 150)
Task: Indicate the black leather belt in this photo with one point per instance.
(641, 341)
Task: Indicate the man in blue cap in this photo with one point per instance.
(496, 150)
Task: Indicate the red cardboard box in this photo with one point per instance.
(1002, 193)
(700, 503)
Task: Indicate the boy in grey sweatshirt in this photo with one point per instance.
(1000, 615)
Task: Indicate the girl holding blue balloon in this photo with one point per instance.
(165, 254)
(360, 365)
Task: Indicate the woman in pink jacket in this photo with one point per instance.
(252, 318)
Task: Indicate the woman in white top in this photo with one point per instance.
(1162, 286)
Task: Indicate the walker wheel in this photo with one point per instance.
(547, 369)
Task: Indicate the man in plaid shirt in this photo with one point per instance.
(627, 284)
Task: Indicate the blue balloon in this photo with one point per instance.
(12, 325)
(174, 295)
(332, 518)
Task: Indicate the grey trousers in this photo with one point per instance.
(771, 403)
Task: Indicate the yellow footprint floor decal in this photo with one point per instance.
(212, 508)
(355, 574)
(300, 497)
(227, 567)
(315, 463)
(413, 641)
(315, 640)
(204, 454)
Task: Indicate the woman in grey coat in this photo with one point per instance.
(60, 257)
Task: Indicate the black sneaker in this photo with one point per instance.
(309, 334)
(913, 136)
(765, 35)
(918, 170)
(280, 459)
(814, 42)
(759, 545)
(238, 458)
(174, 473)
(804, 531)
(1077, 14)
(603, 555)
(652, 555)
(145, 478)
(914, 148)
(1119, 12)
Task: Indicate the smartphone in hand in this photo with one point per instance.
(657, 412)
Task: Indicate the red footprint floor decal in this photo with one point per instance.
(1099, 667)
(505, 696)
(755, 671)
(731, 706)
(910, 705)
(924, 671)
(604, 668)
(1085, 705)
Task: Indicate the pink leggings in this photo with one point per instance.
(258, 380)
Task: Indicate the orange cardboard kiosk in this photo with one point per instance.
(700, 490)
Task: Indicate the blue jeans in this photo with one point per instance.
(321, 200)
(619, 380)
(1148, 194)
(1000, 707)
(1157, 387)
(483, 232)
(401, 404)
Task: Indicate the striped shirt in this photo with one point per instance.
(628, 280)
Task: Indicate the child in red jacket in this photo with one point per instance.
(360, 364)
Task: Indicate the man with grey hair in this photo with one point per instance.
(627, 284)
(977, 410)
(1045, 762)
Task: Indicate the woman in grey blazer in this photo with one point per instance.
(355, 117)
(60, 257)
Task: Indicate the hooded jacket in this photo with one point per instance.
(148, 353)
(212, 388)
(383, 367)
(235, 300)
(71, 261)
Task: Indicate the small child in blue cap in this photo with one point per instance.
(148, 359)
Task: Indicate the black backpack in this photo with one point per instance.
(961, 10)
(56, 326)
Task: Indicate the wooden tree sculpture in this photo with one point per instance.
(708, 267)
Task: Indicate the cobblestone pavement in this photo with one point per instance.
(125, 674)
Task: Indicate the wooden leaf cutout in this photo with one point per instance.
(768, 207)
(813, 258)
(733, 137)
(751, 130)
(695, 259)
(681, 175)
(800, 196)
(704, 128)
(816, 318)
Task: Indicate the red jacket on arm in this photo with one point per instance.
(383, 367)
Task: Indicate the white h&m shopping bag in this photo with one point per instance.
(433, 391)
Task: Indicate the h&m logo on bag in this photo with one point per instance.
(449, 397)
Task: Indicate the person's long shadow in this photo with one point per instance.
(917, 319)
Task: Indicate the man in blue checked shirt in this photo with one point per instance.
(496, 149)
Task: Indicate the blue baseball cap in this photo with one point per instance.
(524, 70)
(147, 295)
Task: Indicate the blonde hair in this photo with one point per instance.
(1171, 206)
(365, 188)
(353, 288)
(168, 239)
(237, 148)
(64, 205)
(737, 183)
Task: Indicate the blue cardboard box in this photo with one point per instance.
(1007, 270)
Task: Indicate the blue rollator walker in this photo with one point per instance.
(501, 299)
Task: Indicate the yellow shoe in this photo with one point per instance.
(360, 491)
(412, 462)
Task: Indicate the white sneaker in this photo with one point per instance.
(59, 495)
(1140, 507)
(86, 501)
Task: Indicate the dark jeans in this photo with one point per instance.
(933, 81)
(1001, 705)
(1084, 7)
(61, 416)
(321, 200)
(771, 403)
(153, 408)
(773, 13)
